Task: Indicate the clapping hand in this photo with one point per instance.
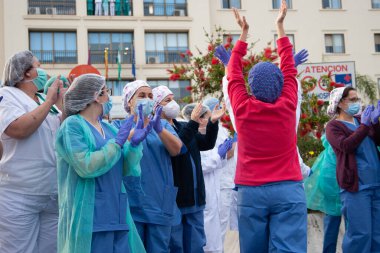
(217, 114)
(140, 133)
(300, 57)
(376, 114)
(366, 115)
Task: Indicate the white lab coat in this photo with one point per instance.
(28, 180)
(212, 166)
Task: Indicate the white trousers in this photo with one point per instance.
(228, 211)
(28, 223)
(98, 9)
(105, 8)
(112, 9)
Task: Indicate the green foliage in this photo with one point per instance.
(367, 87)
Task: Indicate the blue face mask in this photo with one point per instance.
(107, 106)
(353, 108)
(147, 106)
(40, 80)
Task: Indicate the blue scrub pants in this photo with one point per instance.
(155, 237)
(110, 242)
(331, 225)
(362, 213)
(189, 235)
(272, 218)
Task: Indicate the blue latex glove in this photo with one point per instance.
(225, 147)
(366, 115)
(140, 133)
(124, 131)
(222, 54)
(300, 57)
(155, 121)
(376, 114)
(235, 138)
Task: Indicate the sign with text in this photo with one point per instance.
(341, 72)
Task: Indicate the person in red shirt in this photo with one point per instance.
(271, 198)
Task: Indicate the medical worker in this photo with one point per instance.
(98, 7)
(152, 197)
(323, 194)
(28, 174)
(355, 141)
(213, 162)
(189, 235)
(271, 199)
(92, 159)
(105, 7)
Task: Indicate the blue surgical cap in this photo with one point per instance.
(211, 103)
(266, 81)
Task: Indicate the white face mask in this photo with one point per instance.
(171, 109)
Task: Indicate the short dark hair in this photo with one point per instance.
(344, 95)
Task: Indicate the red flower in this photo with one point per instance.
(229, 39)
(273, 57)
(210, 47)
(214, 61)
(169, 71)
(227, 45)
(252, 58)
(245, 63)
(304, 116)
(225, 125)
(189, 88)
(303, 132)
(174, 77)
(189, 53)
(320, 102)
(315, 109)
(227, 118)
(318, 135)
(267, 52)
(338, 85)
(182, 55)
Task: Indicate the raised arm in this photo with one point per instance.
(236, 88)
(287, 64)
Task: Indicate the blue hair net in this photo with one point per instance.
(211, 103)
(266, 81)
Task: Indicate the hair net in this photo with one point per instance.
(81, 92)
(266, 81)
(16, 67)
(188, 109)
(211, 103)
(335, 97)
(130, 90)
(159, 94)
(66, 83)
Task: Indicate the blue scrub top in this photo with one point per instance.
(367, 161)
(110, 211)
(152, 197)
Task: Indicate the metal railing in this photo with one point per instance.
(166, 56)
(164, 9)
(122, 8)
(97, 56)
(50, 7)
(56, 56)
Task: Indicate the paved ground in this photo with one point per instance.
(314, 234)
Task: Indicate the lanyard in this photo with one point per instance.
(41, 99)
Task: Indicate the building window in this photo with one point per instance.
(117, 43)
(165, 7)
(334, 43)
(291, 38)
(331, 4)
(166, 47)
(116, 86)
(277, 4)
(375, 4)
(377, 42)
(228, 4)
(106, 8)
(51, 7)
(233, 38)
(177, 87)
(54, 47)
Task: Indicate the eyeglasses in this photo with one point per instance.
(353, 100)
(105, 90)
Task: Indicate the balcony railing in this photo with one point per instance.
(122, 8)
(49, 7)
(56, 56)
(166, 56)
(164, 9)
(97, 56)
